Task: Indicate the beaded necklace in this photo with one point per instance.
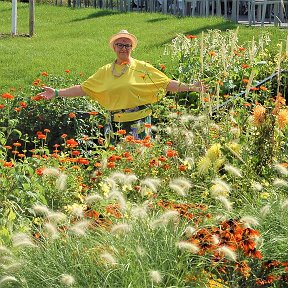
(121, 72)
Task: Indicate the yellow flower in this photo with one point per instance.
(264, 195)
(214, 152)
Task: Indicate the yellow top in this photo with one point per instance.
(140, 84)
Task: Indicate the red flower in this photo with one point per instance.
(171, 153)
(23, 104)
(93, 113)
(7, 96)
(71, 115)
(191, 36)
(1, 106)
(67, 71)
(45, 74)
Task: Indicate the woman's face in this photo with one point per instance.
(123, 48)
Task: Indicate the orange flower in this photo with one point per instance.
(8, 147)
(111, 164)
(67, 71)
(7, 96)
(1, 106)
(64, 136)
(93, 113)
(182, 167)
(169, 143)
(76, 153)
(129, 138)
(45, 74)
(127, 170)
(162, 66)
(8, 164)
(191, 36)
(263, 88)
(41, 136)
(83, 161)
(85, 137)
(21, 155)
(17, 109)
(212, 53)
(148, 125)
(71, 115)
(36, 82)
(259, 114)
(171, 153)
(23, 104)
(245, 80)
(46, 130)
(245, 66)
(100, 126)
(121, 132)
(242, 49)
(71, 143)
(247, 104)
(37, 98)
(17, 144)
(282, 118)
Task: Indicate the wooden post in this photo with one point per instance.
(31, 17)
(14, 17)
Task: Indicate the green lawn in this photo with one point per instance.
(76, 39)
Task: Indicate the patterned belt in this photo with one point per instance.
(137, 108)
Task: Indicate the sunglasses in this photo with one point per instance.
(121, 46)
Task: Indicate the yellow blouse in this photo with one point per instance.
(140, 84)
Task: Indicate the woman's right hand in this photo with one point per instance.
(48, 93)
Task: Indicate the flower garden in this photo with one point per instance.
(202, 202)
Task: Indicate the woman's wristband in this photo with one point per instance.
(56, 93)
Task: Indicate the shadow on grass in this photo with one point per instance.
(157, 20)
(228, 25)
(98, 14)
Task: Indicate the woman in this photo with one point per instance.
(125, 88)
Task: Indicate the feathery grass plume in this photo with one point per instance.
(4, 250)
(90, 199)
(56, 217)
(67, 279)
(220, 188)
(61, 182)
(249, 220)
(151, 183)
(259, 113)
(214, 152)
(281, 169)
(118, 176)
(140, 251)
(280, 182)
(226, 203)
(51, 230)
(122, 228)
(228, 253)
(139, 211)
(178, 189)
(188, 137)
(235, 131)
(233, 170)
(108, 259)
(165, 218)
(203, 165)
(51, 172)
(5, 280)
(40, 209)
(189, 161)
(77, 210)
(173, 115)
(22, 240)
(189, 231)
(119, 197)
(79, 228)
(180, 186)
(155, 276)
(264, 211)
(12, 267)
(215, 239)
(257, 186)
(186, 118)
(284, 204)
(111, 183)
(185, 245)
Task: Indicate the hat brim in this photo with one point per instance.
(123, 35)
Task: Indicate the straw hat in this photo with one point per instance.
(123, 34)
